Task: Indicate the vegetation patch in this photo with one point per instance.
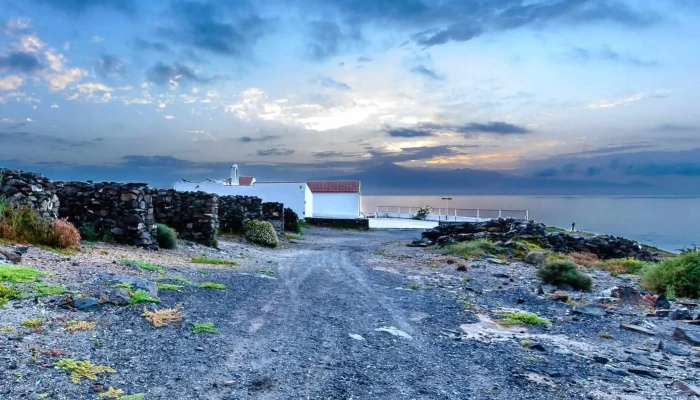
(5, 294)
(212, 285)
(203, 327)
(291, 237)
(23, 224)
(82, 369)
(622, 265)
(176, 279)
(470, 249)
(44, 289)
(145, 266)
(678, 276)
(521, 318)
(111, 393)
(585, 259)
(167, 236)
(414, 286)
(65, 252)
(73, 326)
(87, 232)
(262, 233)
(212, 261)
(141, 296)
(564, 272)
(123, 285)
(31, 323)
(267, 272)
(164, 316)
(18, 274)
(139, 396)
(169, 286)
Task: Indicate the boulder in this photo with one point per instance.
(662, 302)
(683, 335)
(535, 257)
(672, 348)
(120, 297)
(627, 294)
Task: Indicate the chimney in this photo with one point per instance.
(234, 175)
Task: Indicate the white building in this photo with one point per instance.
(335, 199)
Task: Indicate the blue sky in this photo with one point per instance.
(297, 87)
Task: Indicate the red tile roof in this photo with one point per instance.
(334, 186)
(243, 180)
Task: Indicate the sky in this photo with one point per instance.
(123, 89)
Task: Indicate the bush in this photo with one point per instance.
(564, 272)
(63, 234)
(261, 232)
(680, 275)
(87, 232)
(472, 248)
(167, 236)
(22, 224)
(622, 265)
(423, 213)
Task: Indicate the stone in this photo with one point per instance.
(119, 297)
(625, 293)
(618, 371)
(559, 296)
(679, 315)
(538, 347)
(639, 359)
(535, 257)
(661, 313)
(394, 332)
(601, 359)
(565, 287)
(500, 275)
(637, 329)
(356, 336)
(672, 348)
(590, 309)
(12, 257)
(662, 302)
(644, 372)
(683, 335)
(686, 388)
(87, 304)
(492, 260)
(136, 283)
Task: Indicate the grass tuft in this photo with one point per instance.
(123, 285)
(73, 326)
(31, 323)
(138, 396)
(622, 265)
(169, 286)
(18, 274)
(212, 285)
(212, 261)
(44, 289)
(111, 393)
(470, 249)
(141, 296)
(203, 327)
(522, 318)
(176, 279)
(267, 272)
(145, 266)
(82, 369)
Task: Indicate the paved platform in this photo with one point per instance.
(400, 223)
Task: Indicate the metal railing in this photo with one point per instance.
(451, 214)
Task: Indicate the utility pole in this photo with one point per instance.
(447, 206)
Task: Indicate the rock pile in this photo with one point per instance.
(274, 214)
(194, 215)
(122, 210)
(31, 189)
(506, 229)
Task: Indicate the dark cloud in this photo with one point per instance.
(108, 66)
(409, 132)
(427, 72)
(364, 59)
(163, 74)
(668, 169)
(546, 173)
(19, 61)
(248, 139)
(275, 152)
(148, 45)
(334, 154)
(328, 82)
(677, 128)
(429, 129)
(456, 32)
(203, 26)
(612, 149)
(415, 153)
(324, 39)
(39, 140)
(569, 168)
(593, 171)
(81, 6)
(498, 128)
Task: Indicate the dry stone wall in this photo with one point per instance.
(194, 215)
(234, 211)
(30, 189)
(274, 214)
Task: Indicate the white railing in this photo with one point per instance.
(451, 214)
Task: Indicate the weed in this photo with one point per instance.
(73, 326)
(31, 323)
(465, 303)
(212, 261)
(380, 253)
(7, 328)
(169, 286)
(267, 272)
(176, 279)
(161, 318)
(532, 359)
(87, 231)
(680, 274)
(671, 292)
(54, 353)
(145, 266)
(111, 393)
(18, 274)
(413, 286)
(44, 289)
(470, 249)
(104, 252)
(291, 237)
(5, 294)
(203, 327)
(606, 335)
(82, 369)
(123, 285)
(141, 296)
(564, 272)
(139, 396)
(212, 285)
(522, 318)
(108, 238)
(526, 343)
(65, 252)
(42, 396)
(203, 271)
(622, 265)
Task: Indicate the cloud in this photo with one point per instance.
(324, 39)
(610, 150)
(163, 74)
(275, 152)
(607, 103)
(169, 117)
(25, 62)
(328, 82)
(427, 72)
(248, 139)
(669, 169)
(38, 140)
(584, 56)
(498, 128)
(81, 6)
(593, 171)
(546, 173)
(364, 59)
(676, 128)
(11, 82)
(334, 154)
(427, 129)
(97, 39)
(414, 153)
(201, 25)
(108, 66)
(159, 47)
(410, 132)
(17, 25)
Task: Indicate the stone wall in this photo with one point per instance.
(235, 210)
(123, 211)
(291, 220)
(361, 224)
(28, 188)
(503, 230)
(274, 214)
(194, 215)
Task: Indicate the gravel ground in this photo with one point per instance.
(337, 315)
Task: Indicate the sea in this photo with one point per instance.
(669, 223)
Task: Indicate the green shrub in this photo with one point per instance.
(522, 318)
(261, 232)
(622, 265)
(203, 327)
(212, 261)
(141, 296)
(564, 272)
(22, 224)
(212, 285)
(18, 274)
(5, 294)
(472, 248)
(680, 275)
(422, 213)
(87, 232)
(167, 237)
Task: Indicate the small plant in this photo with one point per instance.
(470, 249)
(203, 327)
(141, 296)
(63, 234)
(44, 289)
(422, 213)
(167, 236)
(212, 285)
(169, 286)
(525, 343)
(82, 369)
(108, 237)
(18, 274)
(465, 303)
(31, 323)
(261, 232)
(104, 252)
(521, 318)
(7, 328)
(5, 294)
(123, 285)
(212, 261)
(680, 275)
(622, 265)
(145, 266)
(564, 272)
(176, 279)
(414, 286)
(267, 272)
(139, 396)
(291, 237)
(87, 232)
(380, 253)
(65, 252)
(606, 335)
(111, 393)
(162, 317)
(671, 292)
(73, 326)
